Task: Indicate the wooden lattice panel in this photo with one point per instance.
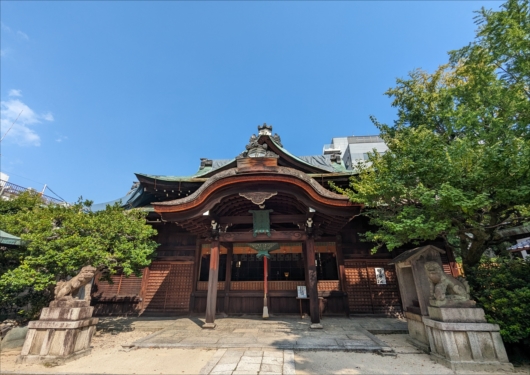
(358, 287)
(246, 285)
(328, 285)
(285, 285)
(203, 285)
(122, 286)
(365, 295)
(168, 287)
(386, 298)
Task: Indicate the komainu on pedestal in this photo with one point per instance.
(65, 328)
(459, 336)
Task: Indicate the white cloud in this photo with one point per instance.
(48, 116)
(24, 118)
(61, 138)
(22, 35)
(5, 28)
(14, 92)
(19, 34)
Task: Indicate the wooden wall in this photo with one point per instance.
(122, 297)
(365, 296)
(168, 287)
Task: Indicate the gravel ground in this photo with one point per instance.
(109, 357)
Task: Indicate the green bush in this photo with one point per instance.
(502, 288)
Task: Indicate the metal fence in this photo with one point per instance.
(9, 190)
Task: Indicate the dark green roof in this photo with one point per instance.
(9, 239)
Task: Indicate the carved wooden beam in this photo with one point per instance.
(249, 237)
(275, 219)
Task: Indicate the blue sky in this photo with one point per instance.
(107, 89)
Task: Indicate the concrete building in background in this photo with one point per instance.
(354, 148)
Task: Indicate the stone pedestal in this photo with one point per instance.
(62, 334)
(417, 334)
(415, 291)
(461, 339)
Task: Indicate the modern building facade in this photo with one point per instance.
(354, 148)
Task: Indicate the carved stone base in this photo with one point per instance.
(59, 341)
(417, 334)
(465, 346)
(457, 315)
(209, 325)
(60, 313)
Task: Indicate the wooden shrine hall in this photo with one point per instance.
(242, 235)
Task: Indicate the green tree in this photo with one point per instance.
(502, 288)
(458, 165)
(59, 240)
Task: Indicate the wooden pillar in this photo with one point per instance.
(228, 277)
(342, 275)
(143, 287)
(312, 290)
(211, 300)
(196, 266)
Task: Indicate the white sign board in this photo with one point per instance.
(380, 275)
(302, 293)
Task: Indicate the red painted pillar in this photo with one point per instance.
(265, 287)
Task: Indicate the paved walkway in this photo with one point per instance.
(250, 362)
(338, 333)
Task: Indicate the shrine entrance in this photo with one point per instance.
(242, 280)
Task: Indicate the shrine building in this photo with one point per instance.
(241, 236)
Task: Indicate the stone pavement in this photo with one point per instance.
(250, 362)
(282, 332)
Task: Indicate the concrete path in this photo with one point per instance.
(250, 362)
(338, 333)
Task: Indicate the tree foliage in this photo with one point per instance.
(502, 288)
(458, 165)
(59, 240)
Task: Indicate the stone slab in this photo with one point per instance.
(265, 368)
(413, 316)
(14, 339)
(282, 333)
(288, 363)
(457, 315)
(417, 333)
(446, 326)
(49, 324)
(64, 313)
(491, 367)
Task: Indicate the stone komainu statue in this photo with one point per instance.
(445, 289)
(66, 290)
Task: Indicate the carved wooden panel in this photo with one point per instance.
(168, 287)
